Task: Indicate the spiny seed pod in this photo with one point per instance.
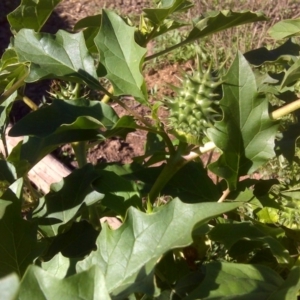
(196, 106)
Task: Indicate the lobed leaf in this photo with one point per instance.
(127, 255)
(62, 55)
(246, 135)
(121, 56)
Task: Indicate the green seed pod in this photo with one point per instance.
(196, 106)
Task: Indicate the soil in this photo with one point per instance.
(66, 14)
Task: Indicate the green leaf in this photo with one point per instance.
(236, 281)
(246, 134)
(9, 286)
(58, 116)
(218, 21)
(19, 246)
(80, 121)
(38, 284)
(285, 29)
(230, 234)
(64, 200)
(31, 14)
(127, 255)
(121, 56)
(158, 15)
(63, 55)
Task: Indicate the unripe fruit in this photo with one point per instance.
(196, 106)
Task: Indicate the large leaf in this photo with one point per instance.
(127, 255)
(63, 55)
(246, 134)
(38, 284)
(19, 246)
(237, 281)
(60, 123)
(9, 286)
(63, 112)
(121, 56)
(218, 21)
(64, 200)
(31, 14)
(285, 28)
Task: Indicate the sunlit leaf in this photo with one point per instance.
(62, 55)
(246, 135)
(121, 56)
(127, 255)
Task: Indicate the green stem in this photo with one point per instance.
(174, 164)
(80, 153)
(30, 103)
(285, 110)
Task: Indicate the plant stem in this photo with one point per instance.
(285, 110)
(106, 98)
(30, 103)
(80, 153)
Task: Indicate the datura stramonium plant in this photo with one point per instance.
(196, 105)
